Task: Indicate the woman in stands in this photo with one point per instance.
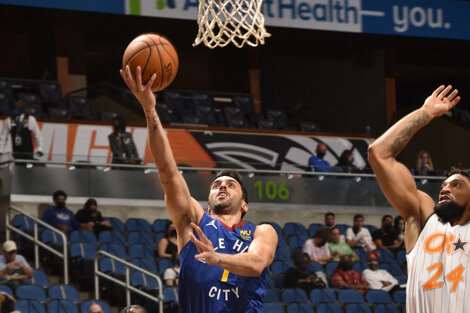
(168, 244)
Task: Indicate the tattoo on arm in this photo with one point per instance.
(153, 119)
(408, 131)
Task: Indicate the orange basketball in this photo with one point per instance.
(154, 54)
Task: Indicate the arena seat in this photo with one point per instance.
(347, 296)
(111, 237)
(143, 281)
(84, 308)
(30, 306)
(386, 308)
(272, 308)
(316, 267)
(324, 295)
(357, 308)
(329, 308)
(64, 292)
(295, 229)
(62, 306)
(31, 292)
(138, 225)
(140, 251)
(299, 308)
(145, 263)
(294, 295)
(85, 236)
(116, 249)
(378, 297)
(159, 225)
(117, 224)
(272, 295)
(112, 267)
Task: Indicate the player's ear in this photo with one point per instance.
(244, 206)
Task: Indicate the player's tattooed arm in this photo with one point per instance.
(405, 134)
(152, 119)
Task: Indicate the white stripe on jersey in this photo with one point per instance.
(438, 269)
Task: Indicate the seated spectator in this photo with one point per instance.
(13, 266)
(7, 303)
(358, 236)
(384, 238)
(344, 277)
(399, 230)
(301, 277)
(91, 218)
(378, 278)
(95, 308)
(337, 248)
(168, 244)
(134, 308)
(424, 164)
(317, 247)
(59, 216)
(330, 220)
(346, 163)
(316, 162)
(122, 144)
(171, 274)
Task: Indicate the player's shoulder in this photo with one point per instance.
(426, 207)
(265, 230)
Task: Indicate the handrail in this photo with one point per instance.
(36, 241)
(127, 284)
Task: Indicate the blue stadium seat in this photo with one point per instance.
(281, 242)
(386, 308)
(296, 242)
(280, 281)
(270, 282)
(62, 306)
(140, 238)
(51, 238)
(346, 296)
(357, 308)
(82, 250)
(272, 308)
(342, 228)
(312, 229)
(358, 266)
(330, 267)
(279, 267)
(140, 251)
(84, 308)
(401, 256)
(83, 236)
(315, 267)
(378, 297)
(145, 263)
(402, 279)
(163, 264)
(393, 268)
(31, 292)
(272, 295)
(116, 249)
(361, 254)
(169, 294)
(22, 222)
(295, 229)
(111, 237)
(399, 296)
(299, 308)
(294, 295)
(158, 237)
(143, 281)
(282, 254)
(386, 256)
(64, 292)
(371, 228)
(138, 224)
(6, 289)
(159, 225)
(112, 267)
(29, 306)
(318, 296)
(117, 224)
(39, 278)
(329, 308)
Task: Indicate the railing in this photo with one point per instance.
(126, 284)
(36, 241)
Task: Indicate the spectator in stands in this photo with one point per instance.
(316, 162)
(7, 303)
(378, 278)
(168, 244)
(301, 277)
(171, 274)
(337, 248)
(424, 164)
(18, 132)
(317, 247)
(358, 236)
(344, 277)
(95, 308)
(346, 163)
(91, 218)
(399, 230)
(122, 144)
(13, 266)
(134, 308)
(385, 238)
(59, 216)
(330, 220)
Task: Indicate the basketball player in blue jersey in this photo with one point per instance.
(224, 259)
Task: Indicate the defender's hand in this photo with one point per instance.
(143, 93)
(441, 101)
(204, 246)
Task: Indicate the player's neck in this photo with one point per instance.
(465, 218)
(228, 219)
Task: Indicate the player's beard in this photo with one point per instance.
(449, 210)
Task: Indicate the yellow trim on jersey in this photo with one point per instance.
(225, 276)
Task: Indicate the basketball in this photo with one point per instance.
(154, 54)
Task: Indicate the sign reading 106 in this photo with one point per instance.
(269, 189)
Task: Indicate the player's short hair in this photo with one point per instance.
(458, 170)
(235, 175)
(329, 214)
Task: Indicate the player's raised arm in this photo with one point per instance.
(182, 208)
(394, 178)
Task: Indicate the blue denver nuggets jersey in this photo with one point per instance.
(205, 288)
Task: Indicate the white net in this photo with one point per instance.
(230, 21)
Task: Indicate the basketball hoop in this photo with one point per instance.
(230, 21)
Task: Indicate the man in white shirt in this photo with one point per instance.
(378, 278)
(13, 266)
(358, 235)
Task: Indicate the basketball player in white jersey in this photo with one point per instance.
(437, 236)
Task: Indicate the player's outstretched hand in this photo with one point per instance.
(441, 101)
(204, 246)
(143, 93)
